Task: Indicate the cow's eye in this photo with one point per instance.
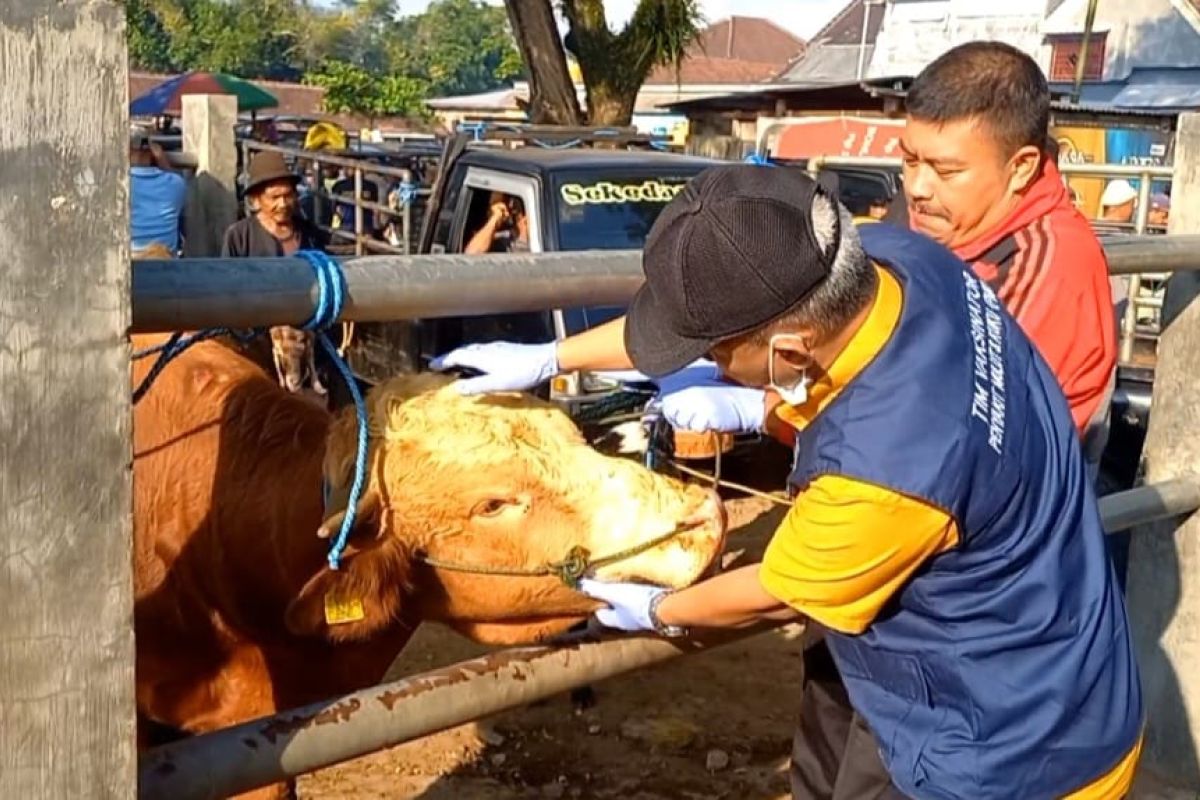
(489, 508)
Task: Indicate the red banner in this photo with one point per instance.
(839, 136)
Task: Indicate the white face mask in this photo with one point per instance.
(797, 393)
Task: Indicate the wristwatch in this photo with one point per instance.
(669, 631)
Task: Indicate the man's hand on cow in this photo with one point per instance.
(630, 605)
(713, 405)
(507, 367)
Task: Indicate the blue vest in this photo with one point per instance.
(1004, 668)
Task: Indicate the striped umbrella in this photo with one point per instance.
(165, 98)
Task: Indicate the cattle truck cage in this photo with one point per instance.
(404, 196)
(70, 295)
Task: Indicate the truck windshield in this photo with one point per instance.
(606, 212)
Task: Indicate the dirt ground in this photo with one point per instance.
(715, 725)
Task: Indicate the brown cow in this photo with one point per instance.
(238, 615)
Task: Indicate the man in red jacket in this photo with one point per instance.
(977, 179)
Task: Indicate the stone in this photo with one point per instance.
(489, 735)
(716, 760)
(665, 733)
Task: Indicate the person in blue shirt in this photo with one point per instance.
(156, 195)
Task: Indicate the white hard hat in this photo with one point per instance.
(1118, 193)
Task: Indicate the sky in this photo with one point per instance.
(802, 17)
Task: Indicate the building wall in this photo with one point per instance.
(915, 33)
(1139, 34)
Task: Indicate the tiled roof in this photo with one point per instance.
(734, 50)
(701, 69)
(748, 39)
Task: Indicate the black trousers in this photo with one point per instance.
(834, 754)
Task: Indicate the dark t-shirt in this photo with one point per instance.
(249, 239)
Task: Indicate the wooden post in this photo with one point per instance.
(66, 635)
(208, 122)
(1164, 558)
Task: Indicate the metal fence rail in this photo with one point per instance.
(290, 743)
(199, 293)
(294, 742)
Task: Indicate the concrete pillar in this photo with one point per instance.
(1185, 211)
(66, 592)
(1164, 558)
(208, 122)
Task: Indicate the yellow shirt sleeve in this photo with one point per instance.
(847, 546)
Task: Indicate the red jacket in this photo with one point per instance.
(1046, 265)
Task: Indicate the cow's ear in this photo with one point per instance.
(359, 599)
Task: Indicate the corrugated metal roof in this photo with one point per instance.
(846, 27)
(828, 63)
(1163, 90)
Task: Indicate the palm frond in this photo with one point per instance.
(661, 31)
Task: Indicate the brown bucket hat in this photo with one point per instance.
(267, 167)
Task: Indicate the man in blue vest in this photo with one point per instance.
(944, 532)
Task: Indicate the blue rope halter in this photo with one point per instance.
(331, 297)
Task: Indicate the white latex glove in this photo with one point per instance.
(508, 367)
(713, 405)
(629, 603)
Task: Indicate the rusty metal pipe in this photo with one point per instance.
(271, 749)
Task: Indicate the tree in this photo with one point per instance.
(458, 47)
(372, 61)
(249, 38)
(149, 42)
(614, 65)
(552, 97)
(350, 89)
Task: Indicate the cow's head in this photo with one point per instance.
(501, 483)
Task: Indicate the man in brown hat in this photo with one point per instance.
(276, 227)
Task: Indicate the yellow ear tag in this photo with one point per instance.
(342, 610)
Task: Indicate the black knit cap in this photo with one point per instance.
(733, 251)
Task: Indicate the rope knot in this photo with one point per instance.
(572, 567)
(331, 290)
